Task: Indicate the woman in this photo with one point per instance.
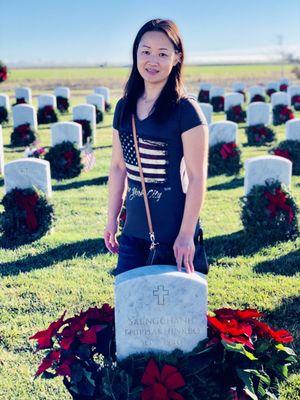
(169, 126)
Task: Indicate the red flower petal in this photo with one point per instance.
(174, 395)
(151, 374)
(48, 361)
(159, 392)
(147, 394)
(171, 377)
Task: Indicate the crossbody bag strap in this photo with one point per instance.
(151, 231)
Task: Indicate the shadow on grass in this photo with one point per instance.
(233, 245)
(102, 147)
(102, 180)
(287, 265)
(87, 248)
(287, 316)
(233, 184)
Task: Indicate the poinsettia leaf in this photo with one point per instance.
(86, 388)
(271, 396)
(280, 347)
(84, 351)
(282, 370)
(239, 348)
(245, 376)
(77, 372)
(48, 375)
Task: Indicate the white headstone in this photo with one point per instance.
(262, 168)
(207, 111)
(254, 90)
(222, 131)
(258, 113)
(1, 152)
(62, 91)
(25, 173)
(280, 98)
(216, 91)
(24, 92)
(292, 129)
(294, 90)
(104, 91)
(66, 132)
(4, 101)
(158, 308)
(205, 86)
(238, 86)
(24, 113)
(88, 112)
(46, 100)
(272, 85)
(97, 100)
(232, 99)
(284, 81)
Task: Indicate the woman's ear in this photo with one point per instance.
(178, 58)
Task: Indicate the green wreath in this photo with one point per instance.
(46, 115)
(282, 114)
(270, 212)
(27, 216)
(65, 161)
(22, 135)
(224, 158)
(289, 149)
(259, 135)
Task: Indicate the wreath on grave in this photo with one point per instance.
(236, 114)
(289, 149)
(22, 135)
(270, 212)
(259, 135)
(218, 103)
(3, 114)
(296, 102)
(107, 106)
(20, 100)
(224, 158)
(203, 96)
(282, 114)
(27, 215)
(3, 72)
(257, 97)
(65, 161)
(46, 115)
(283, 87)
(271, 91)
(86, 130)
(62, 104)
(242, 358)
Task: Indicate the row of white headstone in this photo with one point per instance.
(98, 98)
(215, 91)
(257, 112)
(25, 113)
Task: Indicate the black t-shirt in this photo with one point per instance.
(161, 151)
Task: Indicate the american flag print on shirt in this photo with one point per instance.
(154, 159)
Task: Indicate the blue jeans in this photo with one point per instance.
(133, 253)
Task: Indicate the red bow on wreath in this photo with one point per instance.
(277, 202)
(283, 153)
(27, 203)
(23, 130)
(68, 156)
(228, 150)
(161, 385)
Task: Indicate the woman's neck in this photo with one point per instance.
(152, 91)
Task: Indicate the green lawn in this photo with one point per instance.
(69, 269)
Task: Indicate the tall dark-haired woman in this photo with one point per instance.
(173, 145)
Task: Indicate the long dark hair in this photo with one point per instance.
(173, 89)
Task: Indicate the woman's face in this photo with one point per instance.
(156, 57)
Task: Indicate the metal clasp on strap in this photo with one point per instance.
(153, 242)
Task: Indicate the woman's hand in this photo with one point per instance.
(184, 251)
(109, 235)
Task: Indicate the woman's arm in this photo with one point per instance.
(195, 148)
(116, 186)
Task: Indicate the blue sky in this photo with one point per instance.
(96, 31)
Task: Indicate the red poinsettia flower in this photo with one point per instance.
(90, 336)
(277, 203)
(64, 369)
(263, 330)
(48, 361)
(161, 385)
(243, 315)
(44, 337)
(101, 315)
(228, 150)
(283, 153)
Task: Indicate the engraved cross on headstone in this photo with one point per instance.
(160, 292)
(24, 171)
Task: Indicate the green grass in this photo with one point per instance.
(69, 269)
